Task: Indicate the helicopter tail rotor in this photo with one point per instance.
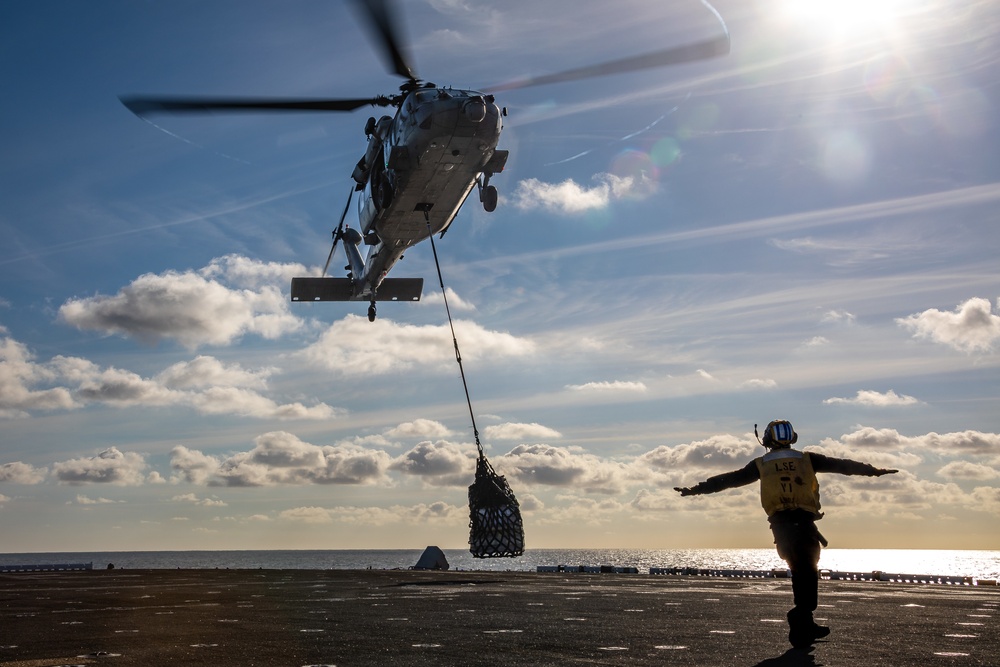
(339, 232)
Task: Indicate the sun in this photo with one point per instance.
(845, 19)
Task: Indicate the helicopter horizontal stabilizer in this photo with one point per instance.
(342, 289)
(400, 289)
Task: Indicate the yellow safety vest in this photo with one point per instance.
(787, 481)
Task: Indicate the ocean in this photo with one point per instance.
(951, 563)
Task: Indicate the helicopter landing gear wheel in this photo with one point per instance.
(371, 312)
(490, 197)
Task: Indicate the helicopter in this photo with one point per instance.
(421, 163)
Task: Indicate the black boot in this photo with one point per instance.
(802, 630)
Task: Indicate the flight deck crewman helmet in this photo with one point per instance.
(779, 434)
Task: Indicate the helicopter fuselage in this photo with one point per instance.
(421, 163)
(420, 167)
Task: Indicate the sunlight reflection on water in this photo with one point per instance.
(980, 564)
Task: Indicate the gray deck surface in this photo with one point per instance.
(350, 617)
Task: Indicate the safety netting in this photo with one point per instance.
(495, 527)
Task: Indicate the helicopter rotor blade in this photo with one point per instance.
(339, 232)
(142, 105)
(333, 248)
(379, 14)
(703, 50)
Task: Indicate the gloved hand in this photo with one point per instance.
(684, 491)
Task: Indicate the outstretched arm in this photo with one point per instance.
(823, 463)
(730, 480)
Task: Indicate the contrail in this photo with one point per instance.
(626, 137)
(196, 145)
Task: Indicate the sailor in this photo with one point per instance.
(789, 493)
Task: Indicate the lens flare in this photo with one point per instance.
(845, 157)
(665, 152)
(639, 176)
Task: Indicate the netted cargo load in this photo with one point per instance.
(495, 527)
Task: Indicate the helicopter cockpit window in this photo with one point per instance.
(424, 96)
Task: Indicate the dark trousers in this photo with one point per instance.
(798, 544)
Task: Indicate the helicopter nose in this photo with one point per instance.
(475, 109)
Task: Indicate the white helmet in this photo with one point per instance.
(779, 434)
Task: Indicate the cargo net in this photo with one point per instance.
(495, 527)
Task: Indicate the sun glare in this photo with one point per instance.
(845, 18)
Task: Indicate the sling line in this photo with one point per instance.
(495, 526)
(454, 339)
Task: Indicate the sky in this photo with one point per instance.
(804, 229)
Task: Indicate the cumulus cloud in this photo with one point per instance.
(759, 383)
(121, 388)
(21, 473)
(962, 442)
(838, 316)
(280, 458)
(85, 500)
(204, 384)
(25, 385)
(191, 465)
(867, 437)
(419, 428)
(571, 198)
(422, 514)
(971, 327)
(218, 305)
(717, 452)
(438, 512)
(204, 371)
(564, 467)
(240, 271)
(738, 505)
(966, 470)
(246, 403)
(522, 432)
(529, 503)
(110, 466)
(616, 385)
(579, 510)
(438, 463)
(355, 346)
(876, 399)
(901, 459)
(204, 502)
(888, 448)
(646, 500)
(455, 302)
(956, 443)
(904, 494)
